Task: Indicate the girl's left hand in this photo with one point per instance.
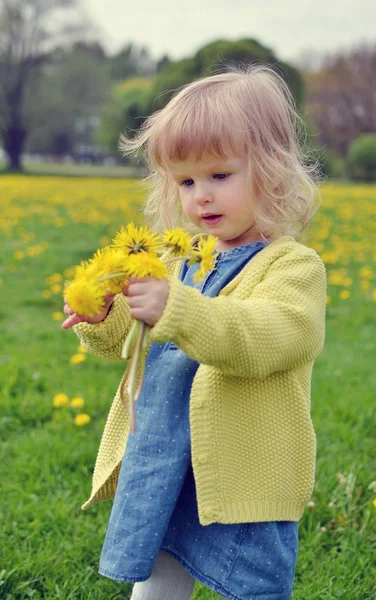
(147, 298)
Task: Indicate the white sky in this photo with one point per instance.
(289, 27)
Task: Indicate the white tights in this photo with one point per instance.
(168, 581)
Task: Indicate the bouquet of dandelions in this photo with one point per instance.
(134, 252)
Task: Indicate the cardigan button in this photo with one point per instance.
(202, 458)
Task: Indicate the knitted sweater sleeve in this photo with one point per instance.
(278, 327)
(107, 337)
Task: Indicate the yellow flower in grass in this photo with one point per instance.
(55, 278)
(132, 239)
(57, 316)
(146, 265)
(178, 240)
(81, 419)
(77, 402)
(344, 294)
(60, 400)
(205, 255)
(77, 358)
(85, 297)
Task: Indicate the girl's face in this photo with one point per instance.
(215, 196)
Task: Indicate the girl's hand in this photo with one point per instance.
(147, 298)
(73, 318)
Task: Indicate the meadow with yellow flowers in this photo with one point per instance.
(54, 398)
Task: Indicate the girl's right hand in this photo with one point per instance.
(74, 318)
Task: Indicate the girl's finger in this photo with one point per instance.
(109, 295)
(72, 320)
(139, 288)
(67, 310)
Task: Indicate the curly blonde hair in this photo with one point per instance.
(250, 111)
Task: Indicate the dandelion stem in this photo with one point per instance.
(144, 340)
(111, 276)
(128, 341)
(135, 361)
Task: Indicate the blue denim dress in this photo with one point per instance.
(155, 505)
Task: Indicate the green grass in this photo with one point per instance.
(76, 170)
(49, 548)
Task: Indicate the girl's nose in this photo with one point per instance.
(202, 194)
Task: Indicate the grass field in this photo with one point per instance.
(49, 548)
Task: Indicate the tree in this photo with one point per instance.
(67, 105)
(215, 57)
(129, 105)
(29, 32)
(341, 98)
(132, 61)
(362, 158)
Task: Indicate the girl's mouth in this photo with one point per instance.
(212, 219)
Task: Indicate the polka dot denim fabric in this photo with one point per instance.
(155, 506)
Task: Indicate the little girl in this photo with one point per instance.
(214, 481)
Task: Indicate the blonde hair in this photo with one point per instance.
(248, 111)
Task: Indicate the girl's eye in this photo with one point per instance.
(189, 182)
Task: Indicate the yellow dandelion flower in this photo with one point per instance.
(344, 294)
(56, 288)
(374, 295)
(70, 272)
(81, 419)
(178, 240)
(46, 294)
(328, 299)
(77, 402)
(85, 270)
(366, 272)
(374, 502)
(80, 348)
(132, 240)
(205, 255)
(109, 260)
(143, 264)
(55, 278)
(77, 358)
(58, 315)
(60, 400)
(85, 297)
(19, 255)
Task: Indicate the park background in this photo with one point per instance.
(65, 97)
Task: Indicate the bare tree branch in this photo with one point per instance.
(30, 30)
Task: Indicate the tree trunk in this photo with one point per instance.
(14, 143)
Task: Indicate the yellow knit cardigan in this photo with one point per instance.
(252, 440)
